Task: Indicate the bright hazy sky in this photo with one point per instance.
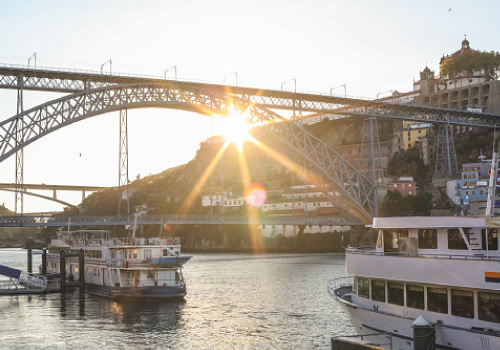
(372, 46)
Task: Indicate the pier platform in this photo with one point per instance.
(21, 282)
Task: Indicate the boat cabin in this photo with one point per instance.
(436, 235)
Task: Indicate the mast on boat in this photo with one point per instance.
(490, 205)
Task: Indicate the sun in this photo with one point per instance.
(235, 128)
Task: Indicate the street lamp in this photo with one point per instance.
(345, 89)
(294, 81)
(102, 66)
(384, 92)
(295, 91)
(34, 58)
(227, 76)
(175, 71)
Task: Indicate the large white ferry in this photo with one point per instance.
(122, 267)
(445, 269)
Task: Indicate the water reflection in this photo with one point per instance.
(268, 302)
(142, 316)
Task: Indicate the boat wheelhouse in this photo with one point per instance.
(123, 267)
(446, 269)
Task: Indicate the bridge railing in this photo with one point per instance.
(159, 219)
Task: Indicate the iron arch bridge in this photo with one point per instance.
(93, 94)
(30, 125)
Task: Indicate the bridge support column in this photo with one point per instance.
(19, 136)
(123, 179)
(371, 156)
(446, 158)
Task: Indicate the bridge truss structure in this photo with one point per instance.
(91, 94)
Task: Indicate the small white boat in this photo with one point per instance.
(123, 267)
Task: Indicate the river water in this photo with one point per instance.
(234, 301)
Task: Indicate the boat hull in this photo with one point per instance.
(149, 293)
(447, 337)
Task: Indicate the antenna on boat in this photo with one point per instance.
(493, 177)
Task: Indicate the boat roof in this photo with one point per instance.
(428, 222)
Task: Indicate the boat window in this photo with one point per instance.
(492, 239)
(378, 290)
(391, 239)
(415, 296)
(455, 240)
(395, 293)
(437, 300)
(379, 239)
(489, 307)
(462, 303)
(363, 287)
(427, 239)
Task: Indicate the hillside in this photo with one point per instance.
(177, 190)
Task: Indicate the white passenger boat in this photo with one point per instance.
(445, 269)
(122, 267)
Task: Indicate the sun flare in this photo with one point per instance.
(235, 128)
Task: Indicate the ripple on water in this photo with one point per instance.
(234, 302)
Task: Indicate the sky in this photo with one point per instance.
(370, 46)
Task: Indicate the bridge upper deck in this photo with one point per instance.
(68, 81)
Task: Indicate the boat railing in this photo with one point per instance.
(423, 255)
(33, 280)
(339, 282)
(9, 284)
(165, 282)
(124, 241)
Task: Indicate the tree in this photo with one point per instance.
(394, 204)
(420, 205)
(476, 61)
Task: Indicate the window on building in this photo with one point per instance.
(427, 239)
(437, 300)
(489, 306)
(462, 303)
(378, 290)
(395, 293)
(455, 240)
(415, 296)
(492, 242)
(363, 287)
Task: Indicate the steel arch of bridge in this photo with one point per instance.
(48, 117)
(42, 196)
